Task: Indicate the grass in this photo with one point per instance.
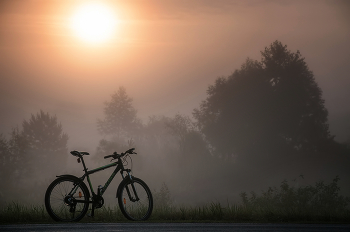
(319, 203)
(15, 213)
(19, 213)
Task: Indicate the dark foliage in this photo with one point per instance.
(320, 201)
(29, 154)
(45, 143)
(269, 107)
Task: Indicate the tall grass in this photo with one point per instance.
(318, 203)
(17, 213)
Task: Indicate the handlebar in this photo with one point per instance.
(116, 155)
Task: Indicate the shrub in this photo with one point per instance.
(318, 202)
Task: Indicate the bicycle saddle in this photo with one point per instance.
(79, 153)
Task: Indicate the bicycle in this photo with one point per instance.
(67, 198)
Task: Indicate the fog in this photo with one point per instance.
(165, 54)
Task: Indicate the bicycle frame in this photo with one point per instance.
(120, 167)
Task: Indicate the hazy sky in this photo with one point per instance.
(165, 53)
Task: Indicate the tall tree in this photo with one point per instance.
(272, 106)
(120, 116)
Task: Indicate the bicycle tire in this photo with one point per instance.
(55, 195)
(135, 210)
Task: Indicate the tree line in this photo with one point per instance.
(266, 121)
(267, 118)
(267, 109)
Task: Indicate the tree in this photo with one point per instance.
(40, 148)
(12, 165)
(120, 116)
(5, 164)
(4, 153)
(43, 132)
(120, 122)
(156, 137)
(13, 157)
(269, 107)
(45, 144)
(180, 126)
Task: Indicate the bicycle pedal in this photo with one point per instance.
(89, 215)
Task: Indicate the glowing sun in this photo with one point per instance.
(94, 23)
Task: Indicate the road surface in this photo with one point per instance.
(157, 227)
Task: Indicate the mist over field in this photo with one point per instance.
(174, 81)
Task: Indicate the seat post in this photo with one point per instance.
(82, 160)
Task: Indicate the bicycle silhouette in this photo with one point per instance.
(67, 198)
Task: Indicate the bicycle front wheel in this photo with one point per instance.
(135, 200)
(66, 199)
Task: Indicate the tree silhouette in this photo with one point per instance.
(180, 126)
(269, 107)
(43, 132)
(120, 116)
(13, 164)
(45, 145)
(4, 153)
(5, 164)
(17, 147)
(32, 153)
(120, 122)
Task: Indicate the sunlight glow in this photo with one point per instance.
(94, 23)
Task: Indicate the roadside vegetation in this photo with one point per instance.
(318, 203)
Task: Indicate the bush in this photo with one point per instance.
(318, 202)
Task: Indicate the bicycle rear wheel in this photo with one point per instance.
(61, 205)
(135, 200)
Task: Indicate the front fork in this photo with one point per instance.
(131, 197)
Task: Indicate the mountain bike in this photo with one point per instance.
(67, 198)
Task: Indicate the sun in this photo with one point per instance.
(94, 23)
